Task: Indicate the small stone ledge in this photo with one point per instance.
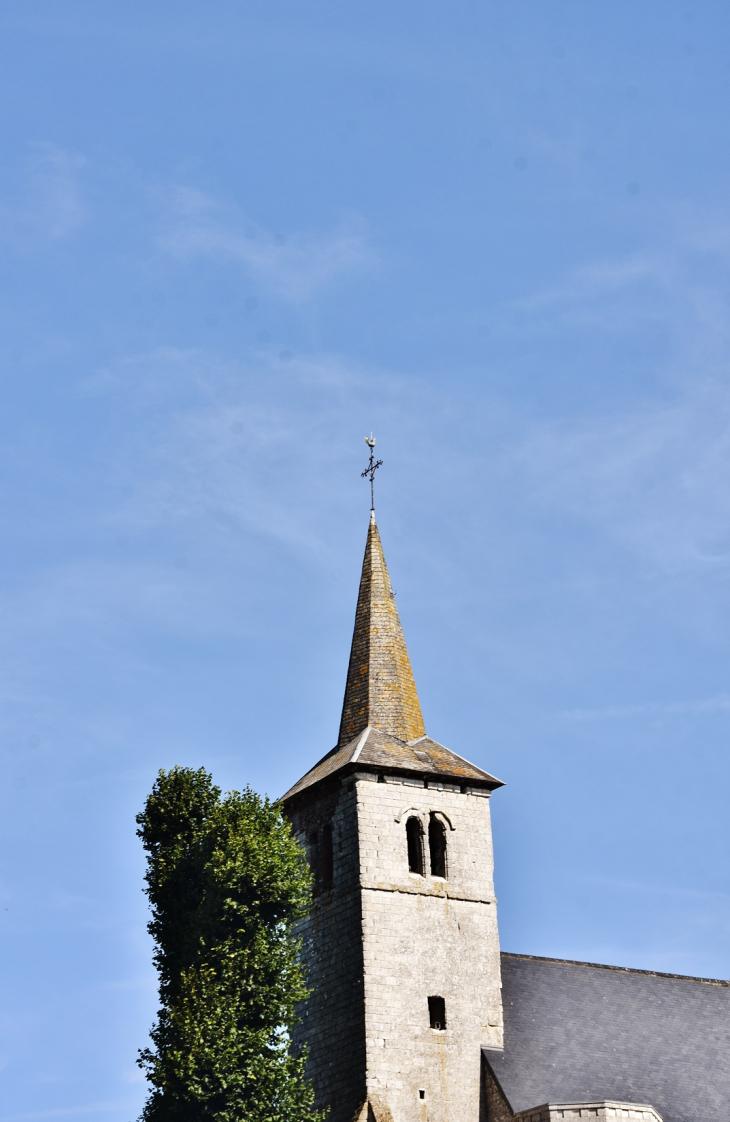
(404, 780)
(431, 782)
(597, 1111)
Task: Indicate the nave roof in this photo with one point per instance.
(581, 1032)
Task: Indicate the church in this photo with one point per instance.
(415, 1014)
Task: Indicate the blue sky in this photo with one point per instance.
(236, 237)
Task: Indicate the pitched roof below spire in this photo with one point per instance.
(374, 750)
(382, 727)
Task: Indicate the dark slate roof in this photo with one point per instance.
(578, 1032)
(375, 749)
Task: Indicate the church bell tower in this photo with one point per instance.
(401, 944)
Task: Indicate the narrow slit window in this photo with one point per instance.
(326, 859)
(321, 859)
(414, 837)
(314, 860)
(437, 1013)
(437, 846)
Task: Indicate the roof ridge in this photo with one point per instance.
(361, 743)
(451, 750)
(621, 969)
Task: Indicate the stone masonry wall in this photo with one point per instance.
(495, 1107)
(332, 1019)
(426, 936)
(383, 940)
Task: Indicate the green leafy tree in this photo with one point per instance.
(226, 881)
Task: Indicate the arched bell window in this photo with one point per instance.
(414, 838)
(437, 846)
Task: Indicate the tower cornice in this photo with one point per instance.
(378, 752)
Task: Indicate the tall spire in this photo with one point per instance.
(380, 689)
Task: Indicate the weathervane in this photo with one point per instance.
(371, 468)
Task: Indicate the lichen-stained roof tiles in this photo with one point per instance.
(380, 688)
(374, 749)
(381, 725)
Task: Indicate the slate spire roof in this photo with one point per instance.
(382, 728)
(380, 689)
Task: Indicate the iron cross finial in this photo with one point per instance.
(371, 468)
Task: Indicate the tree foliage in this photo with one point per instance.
(226, 881)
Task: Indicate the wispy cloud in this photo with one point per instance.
(292, 266)
(596, 279)
(667, 281)
(648, 471)
(611, 294)
(652, 477)
(648, 477)
(720, 704)
(49, 204)
(673, 890)
(251, 440)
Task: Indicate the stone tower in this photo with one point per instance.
(401, 944)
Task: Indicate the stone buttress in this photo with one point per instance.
(401, 944)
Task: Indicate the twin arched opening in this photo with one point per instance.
(436, 846)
